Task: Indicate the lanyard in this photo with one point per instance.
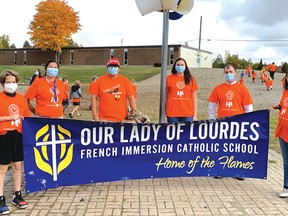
(54, 90)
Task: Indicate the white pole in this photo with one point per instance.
(164, 65)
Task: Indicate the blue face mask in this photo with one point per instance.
(180, 68)
(229, 77)
(52, 72)
(113, 70)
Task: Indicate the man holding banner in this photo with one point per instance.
(112, 90)
(229, 98)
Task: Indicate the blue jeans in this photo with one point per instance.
(179, 119)
(284, 150)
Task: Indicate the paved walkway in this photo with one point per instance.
(162, 197)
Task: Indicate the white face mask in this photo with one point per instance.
(10, 87)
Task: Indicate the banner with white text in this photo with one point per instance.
(63, 152)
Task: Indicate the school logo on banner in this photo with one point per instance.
(47, 140)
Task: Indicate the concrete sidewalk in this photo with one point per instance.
(163, 197)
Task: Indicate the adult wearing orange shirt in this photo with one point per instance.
(13, 108)
(248, 70)
(229, 98)
(272, 70)
(181, 94)
(281, 133)
(112, 90)
(49, 93)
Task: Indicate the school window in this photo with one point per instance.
(24, 57)
(111, 53)
(125, 56)
(15, 57)
(171, 59)
(71, 57)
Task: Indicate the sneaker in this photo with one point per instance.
(19, 201)
(284, 193)
(240, 178)
(78, 114)
(71, 115)
(3, 207)
(218, 177)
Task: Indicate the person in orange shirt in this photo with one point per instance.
(281, 133)
(248, 70)
(94, 78)
(241, 81)
(13, 108)
(181, 94)
(49, 93)
(229, 98)
(263, 77)
(269, 84)
(272, 70)
(112, 90)
(254, 75)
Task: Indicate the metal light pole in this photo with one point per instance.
(164, 66)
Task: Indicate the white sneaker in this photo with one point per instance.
(284, 193)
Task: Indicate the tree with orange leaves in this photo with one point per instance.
(53, 25)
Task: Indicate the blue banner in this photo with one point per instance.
(63, 152)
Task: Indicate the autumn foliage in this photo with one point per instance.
(53, 25)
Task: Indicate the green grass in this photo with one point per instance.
(85, 73)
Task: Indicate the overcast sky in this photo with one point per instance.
(226, 24)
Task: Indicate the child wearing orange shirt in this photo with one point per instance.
(254, 74)
(269, 84)
(13, 108)
(241, 81)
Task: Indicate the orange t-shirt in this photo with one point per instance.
(179, 102)
(112, 93)
(282, 126)
(46, 103)
(254, 74)
(269, 83)
(13, 105)
(231, 99)
(241, 81)
(272, 68)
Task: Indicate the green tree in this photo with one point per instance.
(284, 67)
(4, 42)
(71, 43)
(53, 25)
(260, 66)
(26, 44)
(218, 62)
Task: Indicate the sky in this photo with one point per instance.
(251, 29)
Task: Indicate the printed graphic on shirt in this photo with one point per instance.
(229, 96)
(285, 102)
(13, 110)
(114, 91)
(180, 85)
